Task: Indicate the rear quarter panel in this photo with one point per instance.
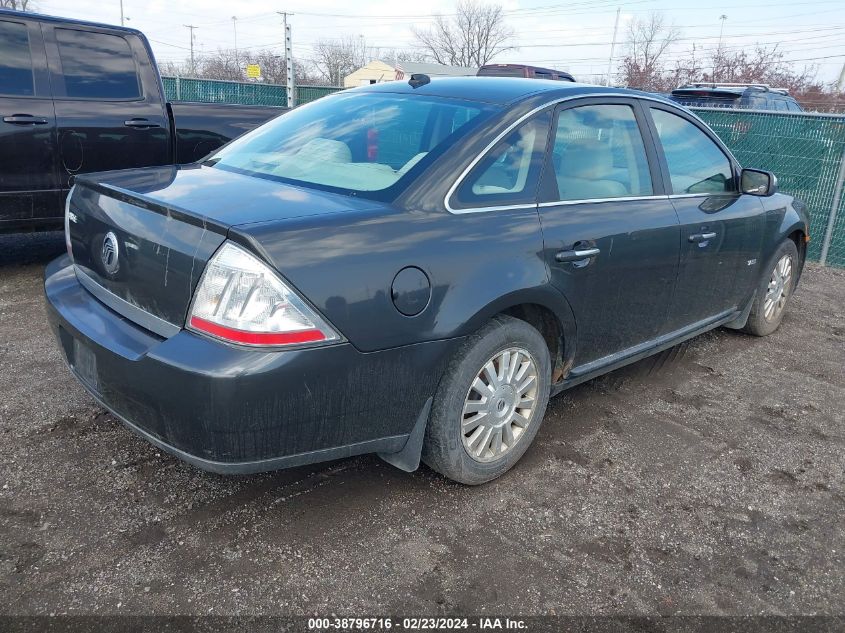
(345, 264)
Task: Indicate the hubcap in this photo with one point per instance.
(778, 289)
(499, 405)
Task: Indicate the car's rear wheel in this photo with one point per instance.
(774, 291)
(490, 402)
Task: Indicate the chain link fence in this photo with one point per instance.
(806, 152)
(244, 93)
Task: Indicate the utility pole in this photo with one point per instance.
(235, 29)
(121, 13)
(722, 17)
(290, 87)
(193, 67)
(841, 83)
(612, 47)
(718, 60)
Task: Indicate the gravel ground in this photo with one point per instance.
(706, 481)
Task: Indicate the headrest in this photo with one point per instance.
(326, 149)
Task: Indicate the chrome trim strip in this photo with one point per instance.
(561, 203)
(135, 314)
(513, 125)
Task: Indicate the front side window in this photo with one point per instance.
(16, 77)
(97, 65)
(695, 162)
(598, 152)
(359, 143)
(509, 173)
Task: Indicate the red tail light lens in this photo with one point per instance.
(240, 299)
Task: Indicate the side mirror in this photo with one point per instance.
(756, 182)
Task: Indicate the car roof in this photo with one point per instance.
(500, 90)
(55, 19)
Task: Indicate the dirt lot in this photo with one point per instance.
(709, 481)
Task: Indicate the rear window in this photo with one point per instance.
(97, 65)
(502, 72)
(362, 143)
(15, 61)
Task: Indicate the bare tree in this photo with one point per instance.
(334, 59)
(396, 56)
(648, 41)
(472, 37)
(17, 5)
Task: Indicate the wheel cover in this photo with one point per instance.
(499, 405)
(777, 292)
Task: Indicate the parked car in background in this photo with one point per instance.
(743, 96)
(78, 97)
(521, 70)
(412, 269)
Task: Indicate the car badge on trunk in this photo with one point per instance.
(110, 253)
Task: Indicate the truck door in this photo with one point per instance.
(29, 193)
(110, 112)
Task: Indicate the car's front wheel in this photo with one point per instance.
(490, 402)
(774, 291)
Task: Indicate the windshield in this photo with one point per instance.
(356, 142)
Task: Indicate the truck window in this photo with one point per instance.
(15, 61)
(97, 65)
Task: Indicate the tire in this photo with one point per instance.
(446, 446)
(765, 317)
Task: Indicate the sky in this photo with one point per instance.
(574, 36)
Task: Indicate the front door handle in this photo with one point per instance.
(576, 255)
(140, 123)
(24, 119)
(697, 238)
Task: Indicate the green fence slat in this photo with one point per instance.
(803, 150)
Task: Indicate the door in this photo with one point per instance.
(28, 178)
(107, 117)
(721, 229)
(610, 235)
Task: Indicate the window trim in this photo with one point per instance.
(637, 99)
(32, 61)
(549, 189)
(664, 164)
(59, 73)
(538, 177)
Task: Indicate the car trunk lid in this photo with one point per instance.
(140, 239)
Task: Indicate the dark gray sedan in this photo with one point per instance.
(412, 269)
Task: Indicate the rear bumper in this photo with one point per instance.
(229, 409)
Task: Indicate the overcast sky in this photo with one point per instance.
(573, 36)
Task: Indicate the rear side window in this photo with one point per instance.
(598, 152)
(15, 61)
(695, 162)
(97, 65)
(509, 173)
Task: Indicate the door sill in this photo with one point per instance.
(595, 368)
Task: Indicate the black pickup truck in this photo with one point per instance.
(78, 97)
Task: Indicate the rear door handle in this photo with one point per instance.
(140, 123)
(696, 238)
(576, 255)
(24, 119)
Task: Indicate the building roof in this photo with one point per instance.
(435, 70)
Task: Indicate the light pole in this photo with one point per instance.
(718, 60)
(235, 30)
(121, 13)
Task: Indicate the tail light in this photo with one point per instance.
(241, 300)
